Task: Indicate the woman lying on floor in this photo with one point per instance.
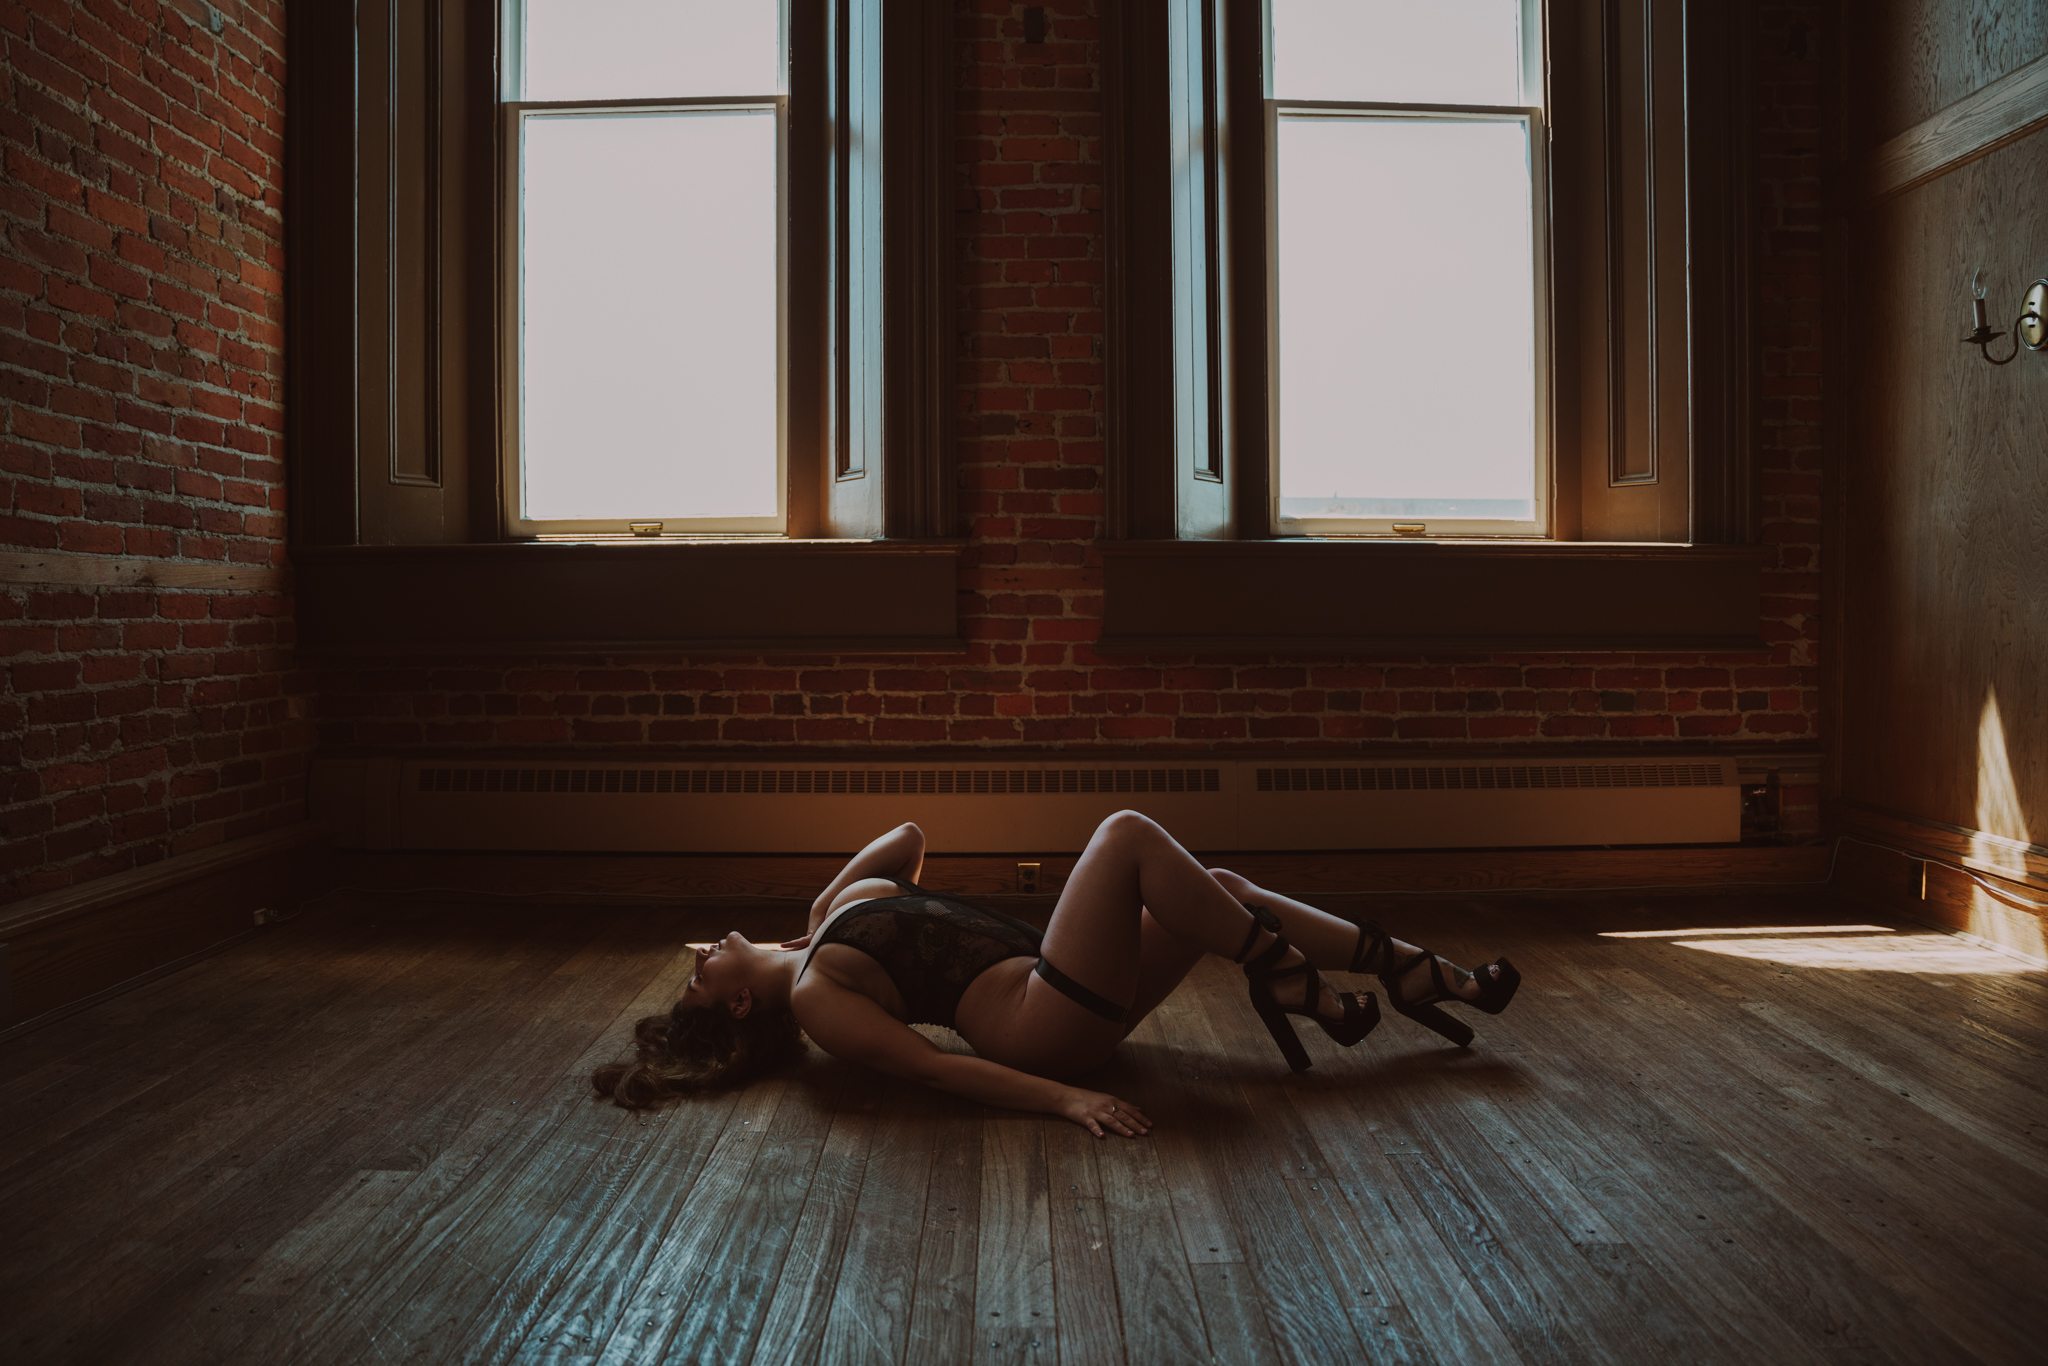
(883, 954)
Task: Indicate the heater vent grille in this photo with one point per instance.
(1467, 778)
(976, 782)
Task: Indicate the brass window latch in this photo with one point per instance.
(644, 528)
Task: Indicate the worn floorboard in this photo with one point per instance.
(1711, 1128)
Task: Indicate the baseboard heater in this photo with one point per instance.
(1043, 807)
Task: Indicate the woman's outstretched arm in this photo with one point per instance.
(849, 1025)
(898, 854)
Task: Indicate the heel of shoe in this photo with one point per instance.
(1284, 1038)
(1431, 1017)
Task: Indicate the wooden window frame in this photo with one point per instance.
(1535, 126)
(395, 181)
(1650, 103)
(514, 111)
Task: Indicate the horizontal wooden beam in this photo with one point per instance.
(60, 570)
(1326, 596)
(2011, 107)
(626, 597)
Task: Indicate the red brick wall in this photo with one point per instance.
(140, 353)
(1030, 449)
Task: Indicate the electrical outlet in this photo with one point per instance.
(263, 916)
(1027, 879)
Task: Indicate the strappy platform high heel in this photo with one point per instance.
(1260, 975)
(1376, 953)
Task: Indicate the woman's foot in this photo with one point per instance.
(1417, 981)
(1271, 967)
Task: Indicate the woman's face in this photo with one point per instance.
(720, 978)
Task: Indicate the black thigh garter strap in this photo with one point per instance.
(1081, 996)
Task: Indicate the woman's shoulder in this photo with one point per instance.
(837, 971)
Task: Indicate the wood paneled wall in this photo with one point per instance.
(1939, 487)
(1914, 58)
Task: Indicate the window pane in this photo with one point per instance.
(649, 329)
(650, 49)
(1398, 51)
(1407, 319)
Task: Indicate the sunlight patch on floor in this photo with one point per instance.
(1885, 952)
(1746, 930)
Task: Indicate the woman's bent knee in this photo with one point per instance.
(1232, 883)
(1129, 825)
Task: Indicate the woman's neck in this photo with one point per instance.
(777, 978)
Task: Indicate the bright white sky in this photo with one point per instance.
(1398, 51)
(652, 49)
(1407, 298)
(650, 316)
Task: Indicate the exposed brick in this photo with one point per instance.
(100, 715)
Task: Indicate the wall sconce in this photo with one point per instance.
(2028, 328)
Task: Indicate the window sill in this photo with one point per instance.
(629, 596)
(1320, 596)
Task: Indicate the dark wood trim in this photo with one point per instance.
(19, 917)
(1168, 271)
(346, 242)
(1727, 362)
(857, 157)
(1308, 596)
(321, 102)
(917, 271)
(623, 597)
(1643, 450)
(128, 571)
(685, 879)
(1137, 273)
(1248, 459)
(2010, 108)
(2023, 865)
(79, 944)
(1837, 369)
(1750, 756)
(478, 268)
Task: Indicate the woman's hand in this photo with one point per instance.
(802, 943)
(1097, 1110)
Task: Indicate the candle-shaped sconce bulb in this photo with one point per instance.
(1979, 319)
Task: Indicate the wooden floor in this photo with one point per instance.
(363, 1138)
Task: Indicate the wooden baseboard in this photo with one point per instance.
(1995, 856)
(736, 880)
(67, 948)
(1912, 870)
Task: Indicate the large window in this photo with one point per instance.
(644, 145)
(1409, 334)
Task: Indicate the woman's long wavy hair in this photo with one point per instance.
(697, 1049)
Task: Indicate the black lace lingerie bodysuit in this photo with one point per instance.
(933, 946)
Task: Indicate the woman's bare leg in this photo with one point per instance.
(1137, 912)
(1164, 960)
